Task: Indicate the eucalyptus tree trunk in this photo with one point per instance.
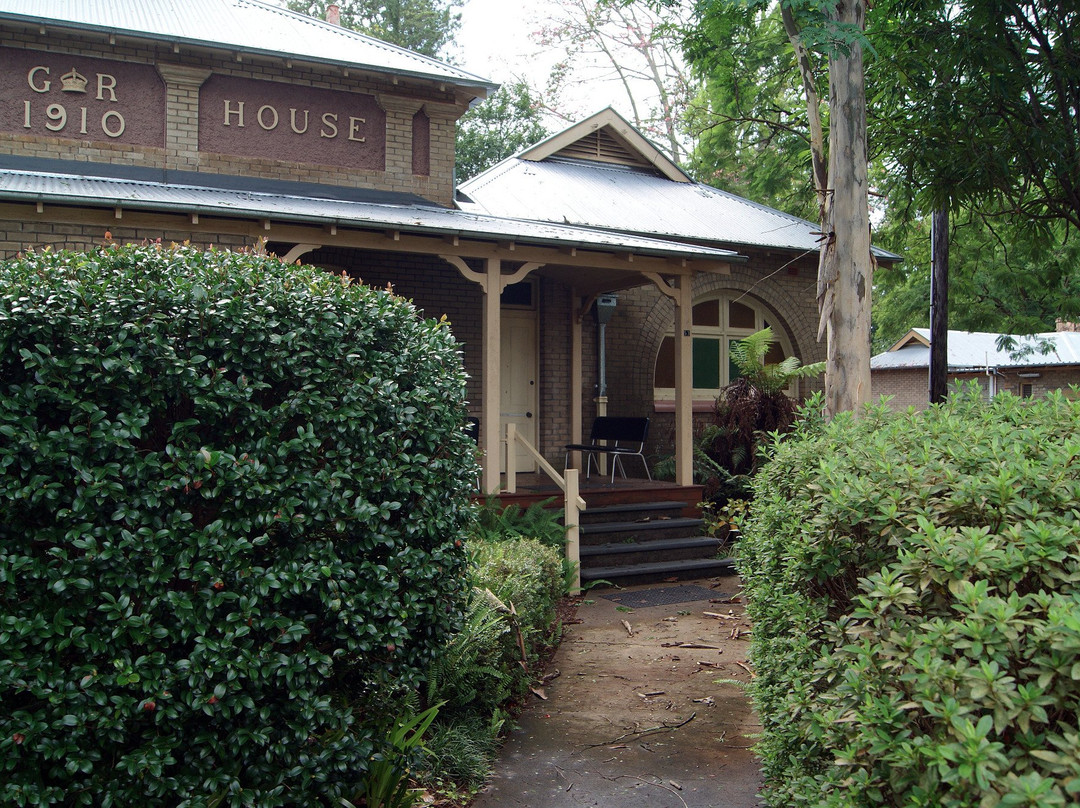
(845, 272)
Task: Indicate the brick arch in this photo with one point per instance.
(785, 312)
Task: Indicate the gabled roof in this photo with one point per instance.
(634, 188)
(605, 137)
(977, 350)
(241, 26)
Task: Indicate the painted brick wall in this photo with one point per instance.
(184, 71)
(18, 236)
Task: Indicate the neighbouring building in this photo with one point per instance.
(1027, 366)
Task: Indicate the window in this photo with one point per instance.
(1026, 390)
(718, 322)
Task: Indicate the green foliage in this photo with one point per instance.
(504, 124)
(461, 752)
(914, 582)
(525, 576)
(386, 783)
(769, 379)
(539, 521)
(989, 84)
(517, 584)
(470, 675)
(1004, 276)
(754, 406)
(750, 115)
(424, 26)
(491, 662)
(231, 507)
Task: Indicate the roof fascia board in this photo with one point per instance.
(622, 129)
(912, 337)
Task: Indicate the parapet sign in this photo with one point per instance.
(80, 98)
(277, 121)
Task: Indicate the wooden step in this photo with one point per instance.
(631, 512)
(685, 570)
(629, 553)
(614, 532)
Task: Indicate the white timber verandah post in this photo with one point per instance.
(492, 283)
(684, 382)
(571, 518)
(491, 386)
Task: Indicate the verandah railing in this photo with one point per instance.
(569, 485)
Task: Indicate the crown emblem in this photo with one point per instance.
(73, 82)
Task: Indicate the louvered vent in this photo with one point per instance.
(601, 145)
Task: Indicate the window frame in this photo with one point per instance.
(724, 334)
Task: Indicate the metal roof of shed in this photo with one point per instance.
(248, 26)
(93, 191)
(977, 350)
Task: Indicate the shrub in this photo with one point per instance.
(492, 661)
(915, 586)
(231, 507)
(517, 584)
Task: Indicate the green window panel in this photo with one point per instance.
(706, 363)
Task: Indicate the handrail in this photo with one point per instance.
(569, 486)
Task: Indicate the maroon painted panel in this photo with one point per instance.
(421, 144)
(77, 97)
(278, 121)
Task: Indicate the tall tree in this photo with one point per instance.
(424, 26)
(633, 49)
(505, 123)
(748, 118)
(978, 102)
(1004, 276)
(833, 33)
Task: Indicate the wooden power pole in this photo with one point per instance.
(939, 305)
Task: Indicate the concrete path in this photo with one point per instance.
(639, 719)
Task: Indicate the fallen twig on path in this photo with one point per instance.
(644, 732)
(658, 785)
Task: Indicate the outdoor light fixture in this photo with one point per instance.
(605, 308)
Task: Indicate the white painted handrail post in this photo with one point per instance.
(511, 458)
(571, 517)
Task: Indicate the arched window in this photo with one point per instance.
(719, 320)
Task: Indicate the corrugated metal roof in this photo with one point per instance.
(245, 25)
(978, 350)
(142, 195)
(635, 200)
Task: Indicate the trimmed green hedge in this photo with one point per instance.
(232, 504)
(914, 582)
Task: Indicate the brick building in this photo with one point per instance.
(602, 173)
(1030, 366)
(242, 125)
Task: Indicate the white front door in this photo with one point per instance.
(520, 391)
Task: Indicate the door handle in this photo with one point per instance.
(528, 415)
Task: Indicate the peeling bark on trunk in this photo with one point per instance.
(845, 273)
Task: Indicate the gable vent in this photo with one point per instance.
(602, 146)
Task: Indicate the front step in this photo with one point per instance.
(647, 529)
(631, 553)
(646, 542)
(638, 511)
(660, 571)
